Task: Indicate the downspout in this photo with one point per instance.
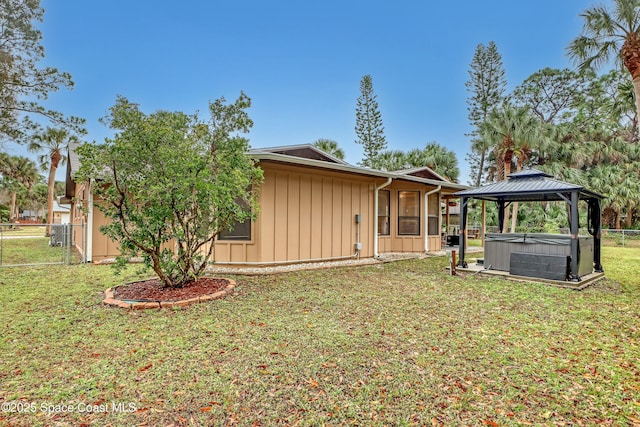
(88, 250)
(375, 216)
(426, 216)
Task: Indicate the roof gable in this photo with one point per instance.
(304, 151)
(422, 172)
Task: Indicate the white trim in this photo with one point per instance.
(375, 215)
(426, 216)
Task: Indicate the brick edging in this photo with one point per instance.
(109, 299)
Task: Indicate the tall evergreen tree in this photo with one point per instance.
(487, 85)
(23, 83)
(369, 128)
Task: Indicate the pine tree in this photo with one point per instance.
(24, 83)
(369, 128)
(487, 85)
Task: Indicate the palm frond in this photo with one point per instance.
(598, 22)
(627, 12)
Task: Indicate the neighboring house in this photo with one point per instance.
(61, 213)
(31, 215)
(313, 207)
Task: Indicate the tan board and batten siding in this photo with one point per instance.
(308, 212)
(306, 216)
(302, 217)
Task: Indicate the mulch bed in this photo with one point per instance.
(152, 290)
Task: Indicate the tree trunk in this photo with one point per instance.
(629, 222)
(514, 218)
(507, 171)
(505, 225)
(629, 52)
(636, 92)
(55, 161)
(13, 214)
(480, 168)
(50, 191)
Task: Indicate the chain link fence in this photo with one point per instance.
(39, 244)
(625, 238)
(610, 237)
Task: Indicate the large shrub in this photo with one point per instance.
(170, 183)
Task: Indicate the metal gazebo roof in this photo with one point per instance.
(532, 185)
(528, 185)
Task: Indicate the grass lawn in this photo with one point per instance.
(31, 250)
(392, 344)
(22, 230)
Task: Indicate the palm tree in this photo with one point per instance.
(393, 160)
(617, 185)
(433, 155)
(522, 150)
(437, 158)
(54, 143)
(330, 147)
(18, 172)
(611, 33)
(511, 132)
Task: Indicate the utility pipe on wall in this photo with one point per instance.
(375, 215)
(426, 220)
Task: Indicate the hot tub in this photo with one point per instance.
(537, 254)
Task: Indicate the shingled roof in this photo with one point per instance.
(528, 185)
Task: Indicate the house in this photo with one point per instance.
(61, 213)
(313, 207)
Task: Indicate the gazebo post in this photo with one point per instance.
(447, 216)
(464, 201)
(484, 221)
(500, 214)
(575, 224)
(596, 225)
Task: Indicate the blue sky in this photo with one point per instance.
(301, 62)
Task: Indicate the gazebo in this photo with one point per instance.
(526, 251)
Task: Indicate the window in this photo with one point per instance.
(384, 217)
(239, 230)
(434, 215)
(409, 213)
